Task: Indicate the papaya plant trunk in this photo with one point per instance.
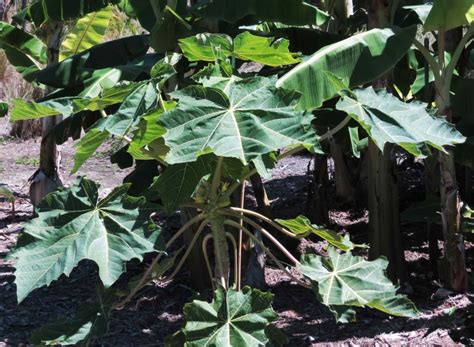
(221, 251)
(46, 179)
(200, 280)
(384, 220)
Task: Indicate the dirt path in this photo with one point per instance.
(158, 311)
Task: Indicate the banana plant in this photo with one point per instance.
(441, 18)
(28, 53)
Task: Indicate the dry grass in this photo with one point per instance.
(13, 86)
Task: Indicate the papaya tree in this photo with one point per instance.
(197, 126)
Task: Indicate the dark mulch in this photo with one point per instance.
(157, 312)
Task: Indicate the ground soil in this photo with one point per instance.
(157, 312)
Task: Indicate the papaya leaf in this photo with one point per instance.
(88, 32)
(263, 50)
(264, 165)
(249, 118)
(201, 47)
(24, 51)
(90, 321)
(387, 119)
(74, 224)
(233, 318)
(140, 102)
(148, 131)
(164, 68)
(357, 145)
(245, 46)
(178, 182)
(449, 14)
(87, 146)
(302, 226)
(294, 12)
(358, 59)
(147, 142)
(343, 279)
(343, 314)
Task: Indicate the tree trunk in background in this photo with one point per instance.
(344, 189)
(384, 218)
(318, 198)
(453, 264)
(46, 179)
(452, 267)
(384, 215)
(263, 203)
(255, 258)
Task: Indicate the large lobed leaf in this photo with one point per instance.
(90, 322)
(356, 60)
(342, 279)
(387, 119)
(246, 119)
(245, 46)
(74, 224)
(88, 32)
(138, 103)
(178, 182)
(233, 318)
(24, 51)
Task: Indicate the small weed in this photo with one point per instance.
(27, 161)
(5, 139)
